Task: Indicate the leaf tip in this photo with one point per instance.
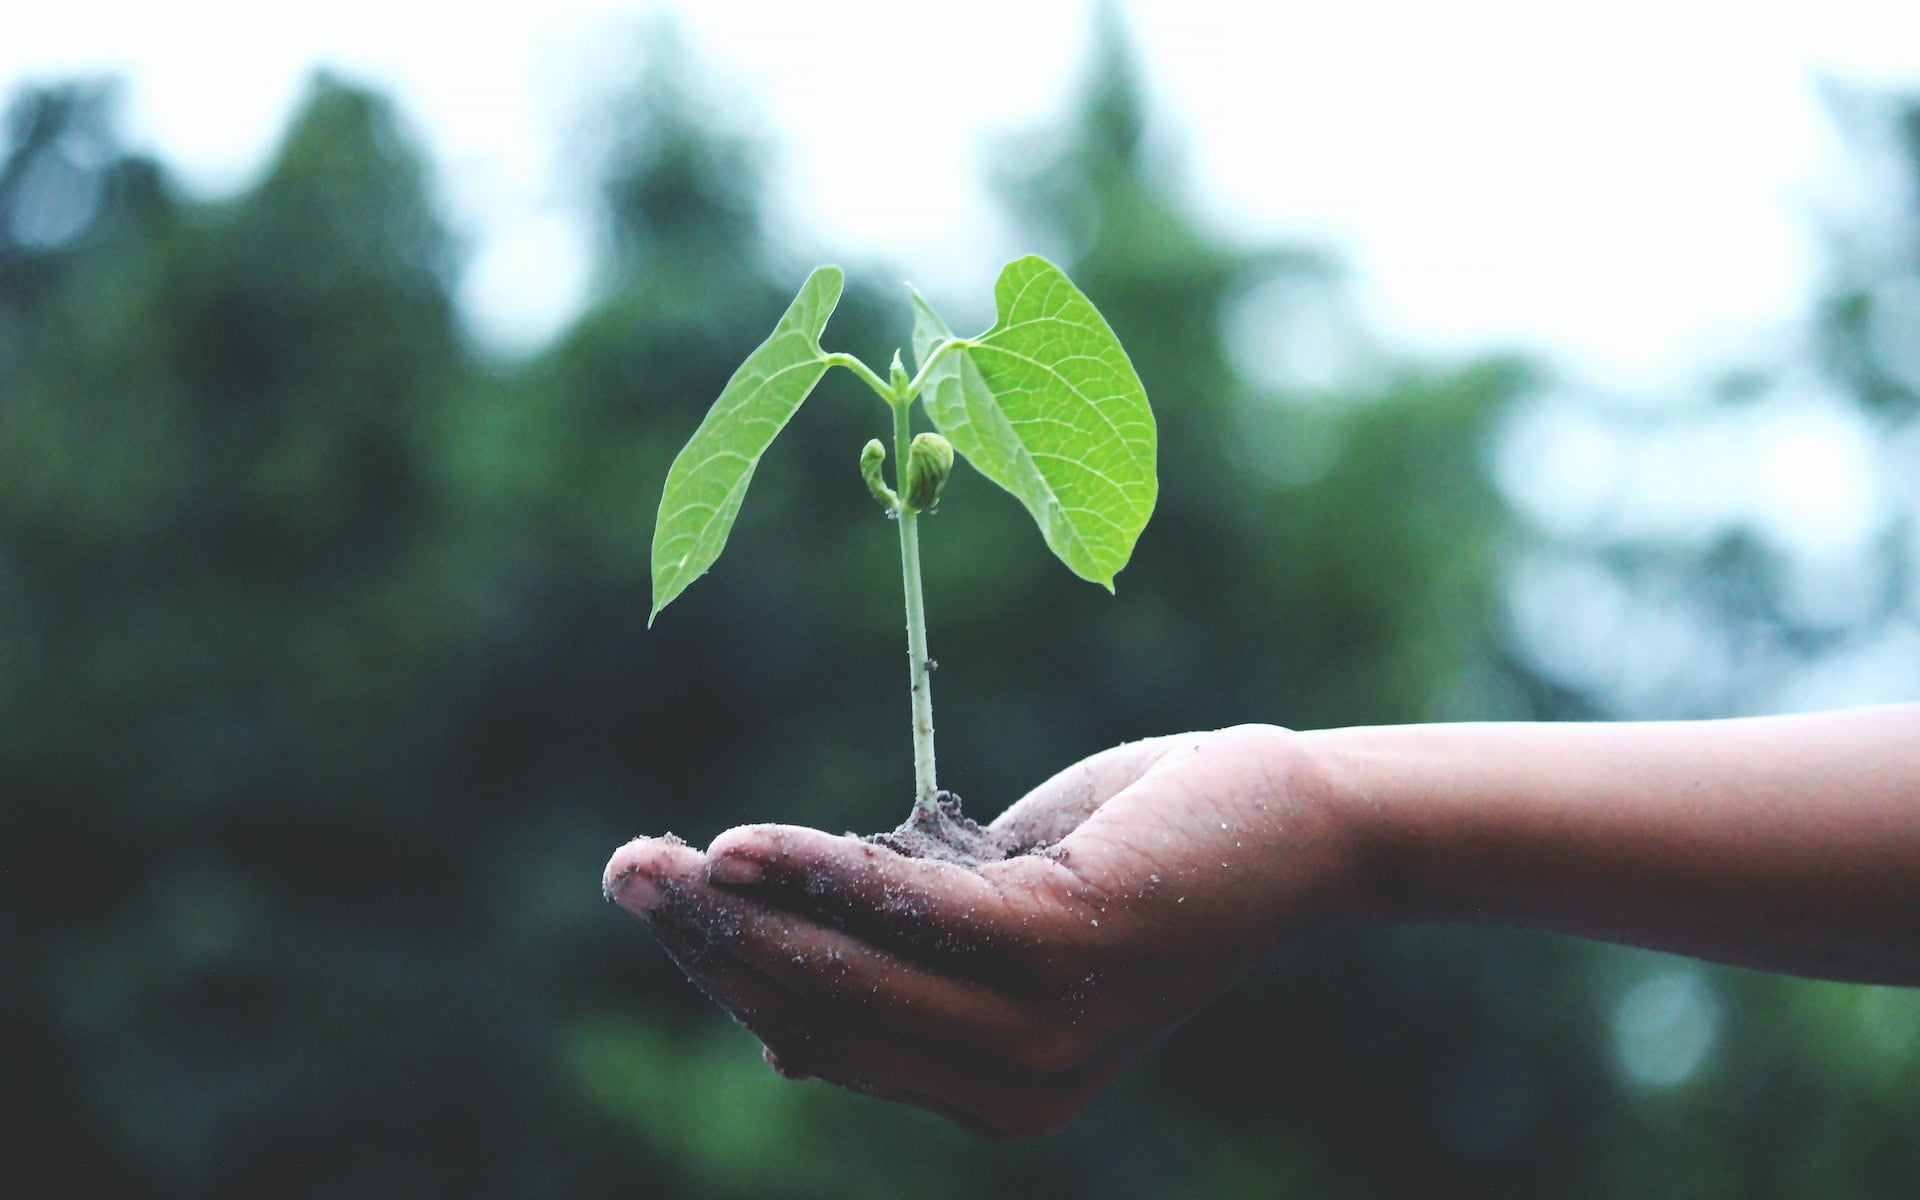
(830, 281)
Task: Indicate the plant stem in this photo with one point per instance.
(925, 789)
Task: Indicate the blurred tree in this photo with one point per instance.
(231, 654)
(1751, 547)
(1870, 321)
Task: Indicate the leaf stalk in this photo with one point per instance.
(934, 356)
(867, 376)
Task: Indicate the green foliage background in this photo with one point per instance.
(327, 691)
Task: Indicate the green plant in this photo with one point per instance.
(1045, 404)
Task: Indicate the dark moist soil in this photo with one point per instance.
(947, 835)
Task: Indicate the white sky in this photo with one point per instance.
(1496, 173)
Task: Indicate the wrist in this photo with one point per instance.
(1359, 783)
(1324, 843)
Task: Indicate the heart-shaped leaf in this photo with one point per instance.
(1047, 405)
(709, 477)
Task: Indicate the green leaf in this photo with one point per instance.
(709, 477)
(1047, 405)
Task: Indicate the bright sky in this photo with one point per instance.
(1636, 188)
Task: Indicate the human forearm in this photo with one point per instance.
(1006, 996)
(1786, 843)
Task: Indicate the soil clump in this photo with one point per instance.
(947, 834)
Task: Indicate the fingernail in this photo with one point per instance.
(734, 869)
(631, 890)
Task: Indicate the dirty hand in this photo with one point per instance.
(1006, 997)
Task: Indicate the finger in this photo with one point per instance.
(1003, 1074)
(782, 1022)
(824, 966)
(966, 1120)
(646, 870)
(940, 912)
(830, 969)
(987, 1099)
(985, 1095)
(990, 1092)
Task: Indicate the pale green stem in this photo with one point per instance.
(867, 376)
(885, 389)
(926, 368)
(925, 789)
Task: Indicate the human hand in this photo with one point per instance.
(1007, 997)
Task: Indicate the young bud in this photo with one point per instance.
(897, 376)
(929, 462)
(871, 456)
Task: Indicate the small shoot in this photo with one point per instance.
(1045, 404)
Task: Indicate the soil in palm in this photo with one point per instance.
(947, 834)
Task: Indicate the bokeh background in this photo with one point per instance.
(327, 687)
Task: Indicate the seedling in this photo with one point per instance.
(1045, 404)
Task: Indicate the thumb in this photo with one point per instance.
(1054, 809)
